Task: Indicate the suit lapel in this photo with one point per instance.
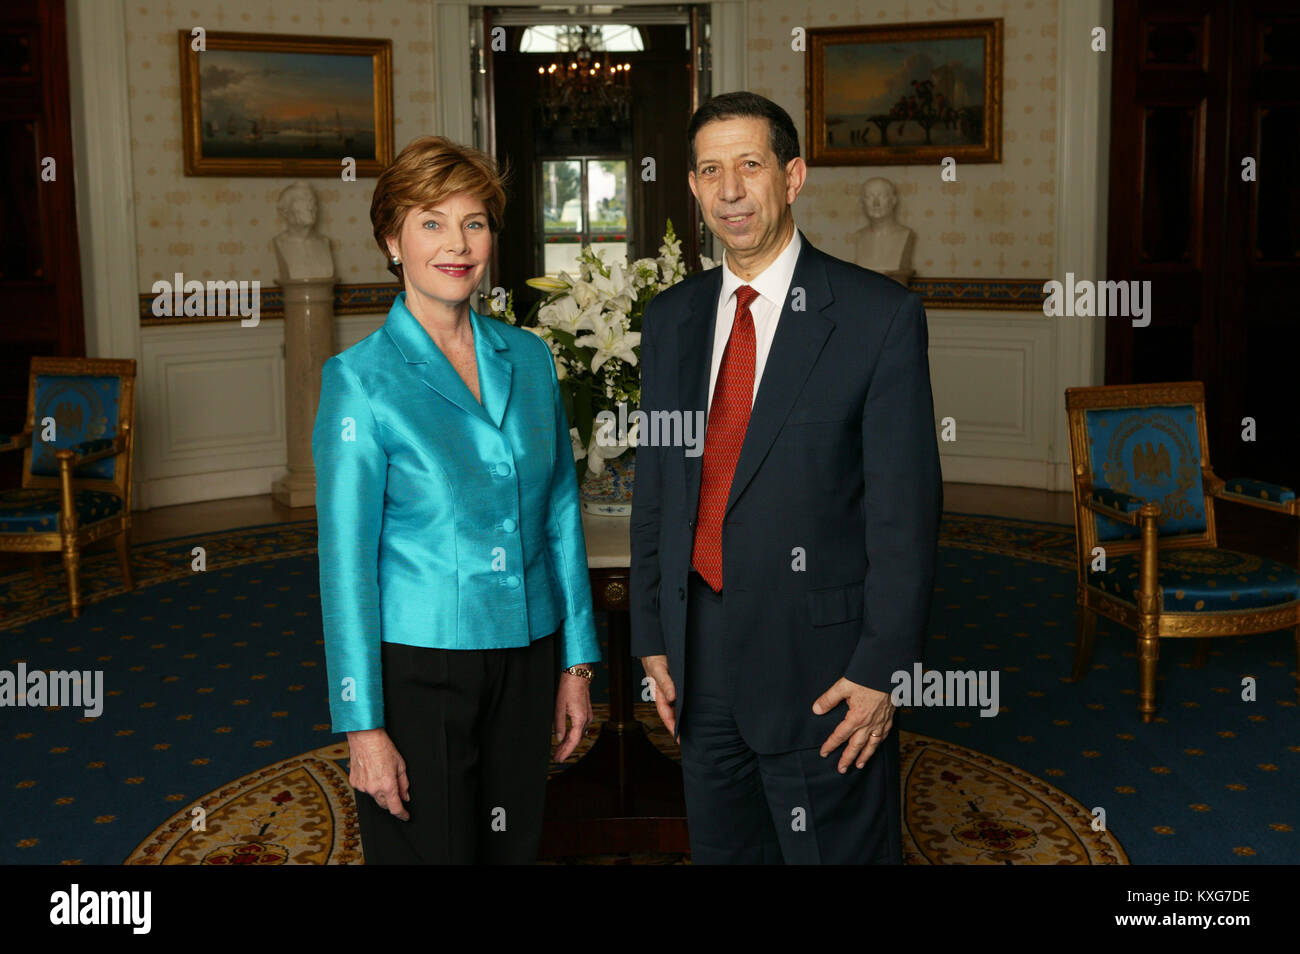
(799, 338)
(437, 373)
(695, 354)
(494, 368)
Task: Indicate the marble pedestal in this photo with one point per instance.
(308, 343)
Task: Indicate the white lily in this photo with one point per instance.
(613, 286)
(610, 339)
(563, 313)
(585, 294)
(546, 283)
(598, 453)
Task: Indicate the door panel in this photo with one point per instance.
(40, 272)
(1198, 87)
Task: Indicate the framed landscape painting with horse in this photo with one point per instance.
(905, 94)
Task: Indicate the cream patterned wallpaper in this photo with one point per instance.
(221, 228)
(995, 221)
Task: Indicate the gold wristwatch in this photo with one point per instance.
(582, 671)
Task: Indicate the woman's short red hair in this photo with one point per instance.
(428, 171)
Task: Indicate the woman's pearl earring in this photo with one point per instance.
(395, 261)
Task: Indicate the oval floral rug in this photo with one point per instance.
(962, 807)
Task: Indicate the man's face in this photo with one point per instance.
(743, 191)
(878, 196)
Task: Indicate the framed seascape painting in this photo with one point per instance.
(256, 104)
(905, 94)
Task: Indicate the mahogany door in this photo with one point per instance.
(1204, 91)
(40, 271)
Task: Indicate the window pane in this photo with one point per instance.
(562, 195)
(565, 38)
(610, 251)
(561, 256)
(607, 195)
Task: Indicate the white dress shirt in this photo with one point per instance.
(772, 285)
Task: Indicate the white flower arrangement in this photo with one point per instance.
(592, 324)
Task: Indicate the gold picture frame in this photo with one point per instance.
(868, 78)
(267, 104)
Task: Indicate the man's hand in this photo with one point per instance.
(665, 693)
(869, 720)
(572, 704)
(376, 767)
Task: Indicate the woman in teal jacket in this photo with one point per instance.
(452, 560)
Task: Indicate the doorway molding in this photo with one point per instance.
(454, 35)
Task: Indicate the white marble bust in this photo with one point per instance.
(301, 251)
(885, 244)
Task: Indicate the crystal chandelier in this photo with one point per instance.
(585, 90)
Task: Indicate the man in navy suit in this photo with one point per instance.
(780, 578)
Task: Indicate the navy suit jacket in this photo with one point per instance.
(830, 535)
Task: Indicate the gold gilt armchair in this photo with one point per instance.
(77, 448)
(1144, 493)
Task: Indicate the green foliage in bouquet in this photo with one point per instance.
(592, 323)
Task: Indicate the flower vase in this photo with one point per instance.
(609, 493)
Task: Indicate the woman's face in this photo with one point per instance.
(444, 249)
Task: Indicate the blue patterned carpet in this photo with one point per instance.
(211, 676)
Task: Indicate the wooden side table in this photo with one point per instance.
(624, 795)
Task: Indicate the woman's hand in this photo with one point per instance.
(377, 769)
(572, 702)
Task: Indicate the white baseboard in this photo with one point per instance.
(194, 488)
(1006, 472)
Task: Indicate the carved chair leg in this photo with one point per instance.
(1148, 654)
(72, 563)
(1149, 606)
(1202, 653)
(1085, 629)
(124, 560)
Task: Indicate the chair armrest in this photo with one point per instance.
(9, 442)
(1254, 493)
(1114, 504)
(88, 451)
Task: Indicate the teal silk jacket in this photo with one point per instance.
(444, 523)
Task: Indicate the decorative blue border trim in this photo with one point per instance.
(1012, 294)
(348, 300)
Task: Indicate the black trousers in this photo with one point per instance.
(474, 729)
(790, 807)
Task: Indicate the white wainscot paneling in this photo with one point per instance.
(211, 413)
(992, 373)
(211, 421)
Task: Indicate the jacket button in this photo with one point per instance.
(508, 525)
(503, 469)
(511, 581)
(681, 593)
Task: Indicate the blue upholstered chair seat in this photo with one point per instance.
(1204, 580)
(36, 510)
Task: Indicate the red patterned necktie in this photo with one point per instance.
(733, 397)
